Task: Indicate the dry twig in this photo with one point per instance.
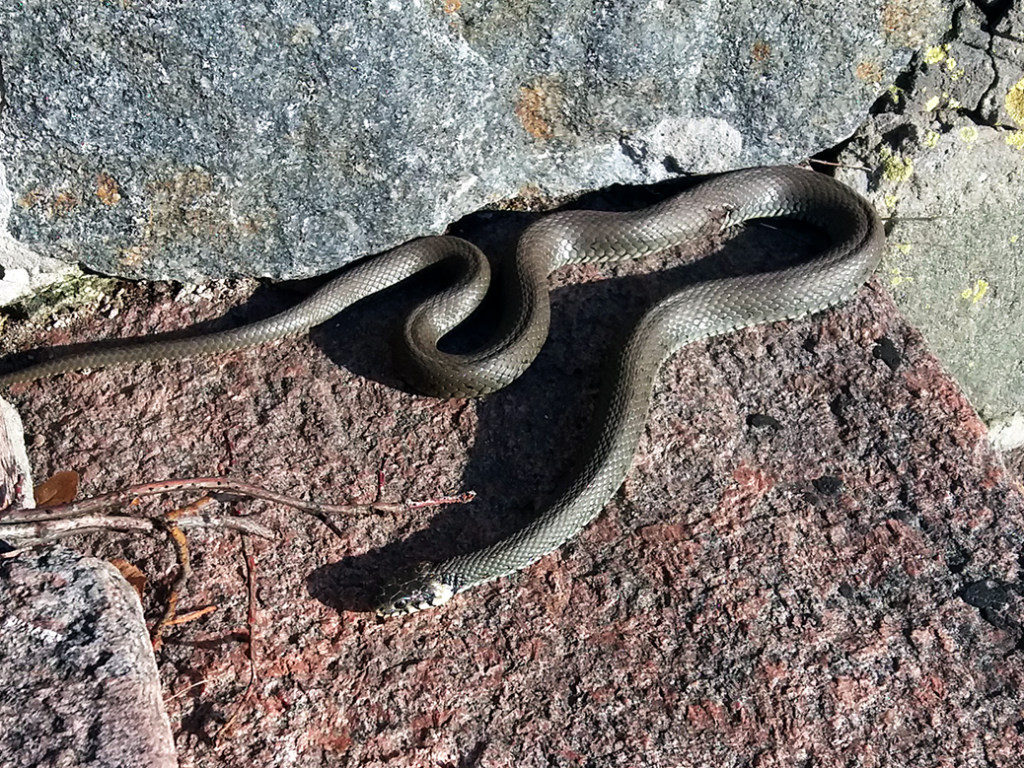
(180, 543)
(132, 494)
(250, 568)
(42, 531)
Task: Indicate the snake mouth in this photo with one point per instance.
(414, 594)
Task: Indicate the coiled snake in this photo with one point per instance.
(696, 312)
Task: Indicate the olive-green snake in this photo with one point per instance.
(696, 312)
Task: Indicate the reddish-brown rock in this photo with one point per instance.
(815, 559)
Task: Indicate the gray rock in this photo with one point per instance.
(23, 271)
(950, 174)
(175, 140)
(1006, 51)
(15, 471)
(78, 682)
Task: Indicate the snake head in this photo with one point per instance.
(423, 588)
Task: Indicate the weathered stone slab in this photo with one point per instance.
(949, 147)
(78, 682)
(167, 139)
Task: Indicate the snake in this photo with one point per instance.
(691, 314)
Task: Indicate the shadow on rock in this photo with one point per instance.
(530, 435)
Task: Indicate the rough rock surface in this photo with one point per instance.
(168, 139)
(78, 682)
(15, 470)
(24, 271)
(816, 557)
(950, 143)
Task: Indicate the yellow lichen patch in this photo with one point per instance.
(903, 248)
(931, 139)
(1016, 139)
(107, 190)
(868, 72)
(976, 293)
(935, 54)
(897, 278)
(1014, 239)
(1015, 102)
(897, 169)
(891, 201)
(968, 134)
(932, 104)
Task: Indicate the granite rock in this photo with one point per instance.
(78, 682)
(948, 146)
(164, 139)
(815, 558)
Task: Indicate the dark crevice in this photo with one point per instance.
(905, 82)
(887, 352)
(903, 133)
(635, 149)
(994, 12)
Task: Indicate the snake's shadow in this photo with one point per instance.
(266, 301)
(528, 434)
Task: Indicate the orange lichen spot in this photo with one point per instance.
(185, 205)
(64, 203)
(895, 18)
(133, 257)
(761, 51)
(532, 109)
(30, 198)
(905, 22)
(107, 190)
(869, 72)
(452, 6)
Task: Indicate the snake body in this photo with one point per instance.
(694, 313)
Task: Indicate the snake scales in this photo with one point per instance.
(696, 312)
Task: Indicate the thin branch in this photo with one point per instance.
(224, 485)
(180, 543)
(833, 164)
(43, 531)
(250, 568)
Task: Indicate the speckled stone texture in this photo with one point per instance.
(78, 684)
(949, 151)
(815, 559)
(237, 137)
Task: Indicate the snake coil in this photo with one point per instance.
(696, 312)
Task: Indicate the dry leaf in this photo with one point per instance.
(59, 489)
(131, 574)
